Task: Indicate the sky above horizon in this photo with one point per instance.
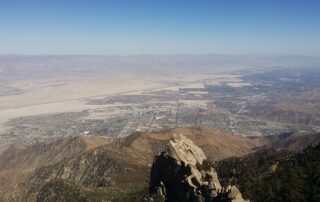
(119, 27)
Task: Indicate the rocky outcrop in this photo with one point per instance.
(181, 173)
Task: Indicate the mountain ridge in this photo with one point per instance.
(103, 169)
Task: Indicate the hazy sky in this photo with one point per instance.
(160, 27)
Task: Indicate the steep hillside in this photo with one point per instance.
(275, 175)
(292, 141)
(59, 190)
(115, 170)
(20, 161)
(106, 169)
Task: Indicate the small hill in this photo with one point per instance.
(217, 145)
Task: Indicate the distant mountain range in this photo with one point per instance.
(20, 67)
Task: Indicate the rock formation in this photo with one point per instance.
(182, 174)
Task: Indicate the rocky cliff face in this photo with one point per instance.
(182, 173)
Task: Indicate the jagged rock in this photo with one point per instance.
(182, 149)
(234, 194)
(181, 168)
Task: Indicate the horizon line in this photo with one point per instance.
(163, 55)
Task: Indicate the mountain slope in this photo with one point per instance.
(217, 145)
(109, 169)
(100, 169)
(292, 141)
(20, 161)
(275, 175)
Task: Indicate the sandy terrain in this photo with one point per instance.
(65, 95)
